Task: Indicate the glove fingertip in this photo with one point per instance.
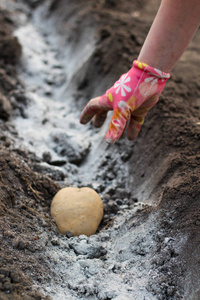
(111, 137)
(99, 119)
(132, 137)
(133, 130)
(109, 141)
(84, 119)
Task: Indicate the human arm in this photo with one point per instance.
(171, 32)
(140, 88)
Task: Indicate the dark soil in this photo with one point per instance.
(163, 164)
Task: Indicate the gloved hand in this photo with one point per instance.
(130, 98)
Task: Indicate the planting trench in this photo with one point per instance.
(147, 246)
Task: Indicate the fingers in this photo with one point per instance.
(98, 108)
(99, 119)
(134, 127)
(95, 106)
(137, 119)
(117, 125)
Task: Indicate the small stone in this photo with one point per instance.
(55, 242)
(105, 237)
(106, 197)
(113, 207)
(82, 237)
(69, 234)
(83, 263)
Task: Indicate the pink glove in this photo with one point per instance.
(130, 98)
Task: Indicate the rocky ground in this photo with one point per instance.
(54, 57)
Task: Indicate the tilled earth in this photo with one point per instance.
(56, 55)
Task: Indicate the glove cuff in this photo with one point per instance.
(150, 70)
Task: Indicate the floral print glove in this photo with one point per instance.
(130, 98)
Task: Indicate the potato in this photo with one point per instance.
(78, 210)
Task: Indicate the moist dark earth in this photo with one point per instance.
(148, 243)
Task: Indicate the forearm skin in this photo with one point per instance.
(171, 32)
